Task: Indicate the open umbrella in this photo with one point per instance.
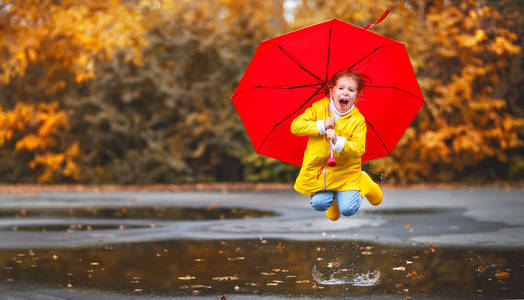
(288, 73)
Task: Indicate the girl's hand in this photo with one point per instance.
(330, 133)
(329, 123)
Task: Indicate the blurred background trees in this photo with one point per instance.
(138, 91)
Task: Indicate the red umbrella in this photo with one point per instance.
(288, 73)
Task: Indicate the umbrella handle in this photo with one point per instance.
(331, 160)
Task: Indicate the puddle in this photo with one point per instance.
(403, 211)
(73, 227)
(155, 212)
(271, 267)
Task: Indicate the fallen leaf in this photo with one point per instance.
(480, 268)
(235, 258)
(412, 274)
(302, 281)
(501, 274)
(200, 286)
(225, 278)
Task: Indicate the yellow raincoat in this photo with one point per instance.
(346, 174)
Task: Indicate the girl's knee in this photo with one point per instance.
(351, 204)
(321, 201)
(318, 205)
(349, 211)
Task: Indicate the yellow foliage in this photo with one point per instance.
(70, 35)
(34, 128)
(30, 142)
(471, 40)
(503, 45)
(52, 161)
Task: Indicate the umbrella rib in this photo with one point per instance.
(297, 63)
(287, 117)
(396, 88)
(329, 50)
(276, 87)
(287, 87)
(369, 54)
(380, 139)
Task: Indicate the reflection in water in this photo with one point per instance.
(155, 212)
(74, 227)
(329, 268)
(402, 211)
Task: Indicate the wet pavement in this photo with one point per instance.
(424, 244)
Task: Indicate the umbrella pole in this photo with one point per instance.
(331, 160)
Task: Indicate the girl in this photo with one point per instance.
(335, 126)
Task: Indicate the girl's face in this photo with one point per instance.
(344, 93)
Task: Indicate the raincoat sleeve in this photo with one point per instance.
(306, 123)
(356, 141)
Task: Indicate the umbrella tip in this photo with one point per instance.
(384, 15)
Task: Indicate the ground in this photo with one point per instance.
(429, 218)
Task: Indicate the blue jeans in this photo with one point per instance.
(348, 201)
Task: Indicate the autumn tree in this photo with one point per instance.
(47, 48)
(470, 128)
(170, 119)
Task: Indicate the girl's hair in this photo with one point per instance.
(358, 77)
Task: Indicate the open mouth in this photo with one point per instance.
(343, 103)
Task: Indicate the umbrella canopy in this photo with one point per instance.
(288, 73)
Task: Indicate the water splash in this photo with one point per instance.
(366, 279)
(344, 276)
(333, 280)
